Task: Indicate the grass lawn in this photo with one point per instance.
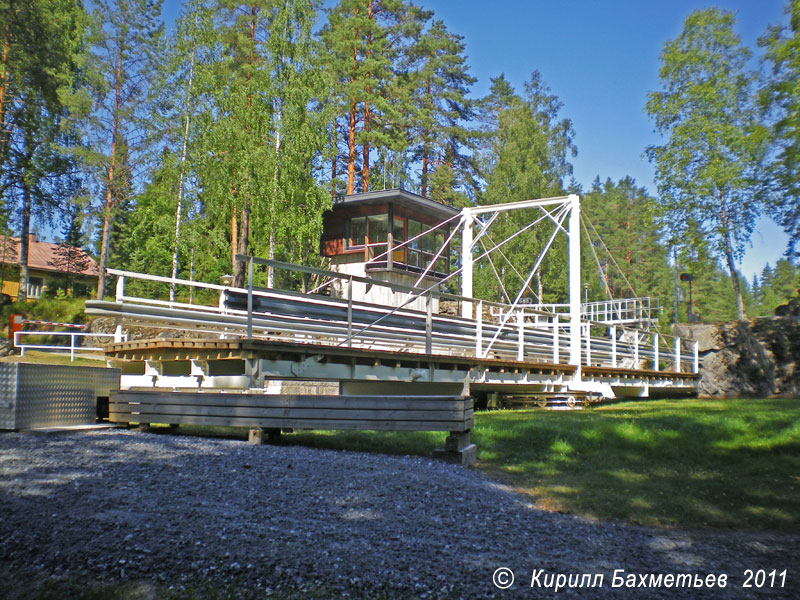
(674, 463)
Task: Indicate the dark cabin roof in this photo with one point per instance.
(399, 197)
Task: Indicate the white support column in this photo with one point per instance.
(120, 288)
(588, 345)
(614, 346)
(655, 352)
(556, 349)
(696, 349)
(575, 284)
(466, 262)
(520, 335)
(479, 331)
(677, 355)
(635, 349)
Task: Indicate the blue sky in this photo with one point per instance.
(601, 58)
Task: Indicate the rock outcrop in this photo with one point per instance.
(759, 357)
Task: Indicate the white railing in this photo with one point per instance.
(525, 335)
(73, 336)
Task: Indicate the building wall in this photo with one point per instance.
(376, 294)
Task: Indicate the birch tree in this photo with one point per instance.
(706, 171)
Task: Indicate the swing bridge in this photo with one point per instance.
(425, 342)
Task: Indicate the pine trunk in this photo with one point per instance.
(22, 294)
(244, 234)
(110, 182)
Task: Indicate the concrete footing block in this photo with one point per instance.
(255, 436)
(465, 457)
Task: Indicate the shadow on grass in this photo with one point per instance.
(726, 463)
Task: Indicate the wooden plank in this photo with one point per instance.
(295, 401)
(330, 424)
(300, 413)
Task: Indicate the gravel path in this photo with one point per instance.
(121, 505)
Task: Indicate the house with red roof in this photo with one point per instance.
(49, 266)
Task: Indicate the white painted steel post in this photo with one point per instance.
(466, 262)
(677, 355)
(71, 347)
(588, 345)
(520, 335)
(120, 288)
(614, 346)
(635, 349)
(556, 350)
(655, 352)
(696, 349)
(479, 331)
(575, 284)
(428, 324)
(350, 312)
(250, 298)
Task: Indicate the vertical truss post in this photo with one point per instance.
(556, 351)
(677, 355)
(350, 311)
(635, 349)
(479, 331)
(696, 351)
(588, 345)
(520, 335)
(466, 262)
(250, 298)
(655, 352)
(575, 284)
(429, 324)
(614, 346)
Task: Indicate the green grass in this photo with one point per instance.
(672, 463)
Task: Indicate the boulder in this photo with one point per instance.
(747, 358)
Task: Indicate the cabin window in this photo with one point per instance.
(356, 232)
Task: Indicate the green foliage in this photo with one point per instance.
(707, 170)
(780, 99)
(40, 42)
(776, 287)
(527, 158)
(632, 260)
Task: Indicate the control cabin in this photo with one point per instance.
(362, 231)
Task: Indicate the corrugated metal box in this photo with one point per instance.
(33, 396)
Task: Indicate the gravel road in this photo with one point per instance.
(120, 505)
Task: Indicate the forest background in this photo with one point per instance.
(168, 152)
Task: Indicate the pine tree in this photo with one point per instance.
(70, 257)
(112, 109)
(41, 40)
(440, 83)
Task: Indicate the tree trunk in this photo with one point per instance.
(110, 200)
(180, 179)
(425, 135)
(22, 294)
(244, 234)
(351, 149)
(729, 258)
(234, 234)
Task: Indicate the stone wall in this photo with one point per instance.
(759, 357)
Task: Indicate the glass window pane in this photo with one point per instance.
(414, 228)
(378, 228)
(357, 230)
(426, 241)
(398, 233)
